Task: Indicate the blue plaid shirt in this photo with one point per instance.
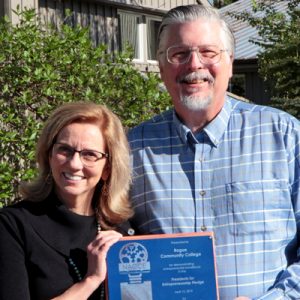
(239, 177)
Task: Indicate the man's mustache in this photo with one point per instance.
(195, 76)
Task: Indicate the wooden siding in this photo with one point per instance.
(101, 19)
(1, 8)
(163, 4)
(256, 89)
(99, 15)
(6, 6)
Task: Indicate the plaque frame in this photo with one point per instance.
(180, 266)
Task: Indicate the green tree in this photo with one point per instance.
(41, 68)
(221, 3)
(279, 60)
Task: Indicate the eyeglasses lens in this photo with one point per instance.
(181, 54)
(65, 153)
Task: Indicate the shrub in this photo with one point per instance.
(41, 68)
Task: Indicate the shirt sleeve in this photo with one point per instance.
(14, 283)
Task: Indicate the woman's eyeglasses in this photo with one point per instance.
(64, 152)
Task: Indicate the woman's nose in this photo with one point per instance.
(75, 161)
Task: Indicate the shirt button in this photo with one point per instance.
(201, 158)
(203, 228)
(202, 193)
(130, 231)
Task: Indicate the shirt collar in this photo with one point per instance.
(182, 130)
(214, 130)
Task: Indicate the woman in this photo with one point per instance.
(53, 244)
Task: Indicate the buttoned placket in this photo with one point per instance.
(202, 183)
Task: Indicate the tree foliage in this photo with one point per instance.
(41, 68)
(279, 60)
(221, 3)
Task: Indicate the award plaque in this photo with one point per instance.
(162, 267)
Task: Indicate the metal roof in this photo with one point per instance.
(242, 30)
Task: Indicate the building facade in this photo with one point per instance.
(115, 23)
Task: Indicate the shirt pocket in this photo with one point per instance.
(261, 208)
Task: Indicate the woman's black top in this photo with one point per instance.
(36, 241)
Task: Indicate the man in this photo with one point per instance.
(217, 164)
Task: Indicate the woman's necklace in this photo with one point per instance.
(76, 270)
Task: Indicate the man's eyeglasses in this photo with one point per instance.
(64, 152)
(208, 55)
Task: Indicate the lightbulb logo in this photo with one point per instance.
(133, 253)
(134, 262)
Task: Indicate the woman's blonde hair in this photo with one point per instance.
(111, 197)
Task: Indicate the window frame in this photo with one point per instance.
(142, 39)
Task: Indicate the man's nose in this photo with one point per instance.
(194, 62)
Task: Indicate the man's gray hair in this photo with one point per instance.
(189, 13)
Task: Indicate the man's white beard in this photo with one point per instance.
(195, 103)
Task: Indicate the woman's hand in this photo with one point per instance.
(96, 273)
(96, 254)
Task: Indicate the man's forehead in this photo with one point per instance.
(201, 30)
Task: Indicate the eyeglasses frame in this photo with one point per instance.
(104, 155)
(191, 49)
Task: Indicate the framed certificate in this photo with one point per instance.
(162, 267)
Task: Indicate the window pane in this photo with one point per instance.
(128, 24)
(152, 33)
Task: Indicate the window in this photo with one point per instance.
(237, 85)
(140, 32)
(152, 34)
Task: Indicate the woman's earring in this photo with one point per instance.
(49, 178)
(104, 190)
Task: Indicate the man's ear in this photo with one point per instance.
(231, 66)
(161, 70)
